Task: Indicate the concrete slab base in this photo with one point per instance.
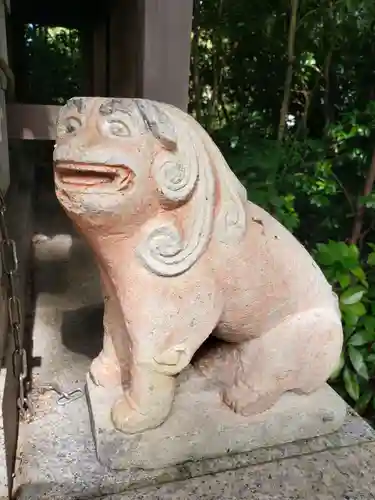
(58, 461)
(201, 426)
(341, 474)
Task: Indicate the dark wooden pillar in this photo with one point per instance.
(100, 77)
(125, 48)
(149, 49)
(87, 68)
(18, 59)
(166, 50)
(4, 152)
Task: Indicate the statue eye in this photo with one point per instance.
(69, 126)
(118, 128)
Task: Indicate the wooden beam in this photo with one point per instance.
(70, 13)
(32, 121)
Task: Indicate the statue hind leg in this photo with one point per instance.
(297, 355)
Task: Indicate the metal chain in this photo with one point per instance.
(10, 265)
(63, 396)
(9, 260)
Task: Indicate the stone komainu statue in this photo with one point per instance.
(184, 256)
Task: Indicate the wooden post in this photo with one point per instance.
(150, 50)
(4, 152)
(166, 51)
(18, 57)
(125, 48)
(99, 55)
(88, 57)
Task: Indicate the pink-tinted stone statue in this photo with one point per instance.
(184, 256)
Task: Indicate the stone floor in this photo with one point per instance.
(56, 458)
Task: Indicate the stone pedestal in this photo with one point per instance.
(201, 426)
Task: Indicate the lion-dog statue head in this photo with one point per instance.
(149, 166)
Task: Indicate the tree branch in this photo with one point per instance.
(359, 216)
(195, 61)
(216, 68)
(289, 72)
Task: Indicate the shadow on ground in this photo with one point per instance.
(82, 330)
(46, 201)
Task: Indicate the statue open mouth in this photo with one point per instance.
(92, 175)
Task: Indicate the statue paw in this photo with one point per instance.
(246, 401)
(105, 373)
(128, 418)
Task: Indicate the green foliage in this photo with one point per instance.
(351, 280)
(53, 65)
(318, 179)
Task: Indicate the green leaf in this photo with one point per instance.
(361, 338)
(363, 401)
(370, 358)
(352, 296)
(369, 323)
(371, 259)
(358, 362)
(324, 256)
(359, 273)
(349, 263)
(340, 365)
(343, 279)
(349, 318)
(348, 332)
(353, 251)
(357, 309)
(368, 201)
(351, 383)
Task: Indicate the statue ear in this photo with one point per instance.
(158, 122)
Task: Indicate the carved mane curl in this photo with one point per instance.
(189, 170)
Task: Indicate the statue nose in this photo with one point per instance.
(89, 138)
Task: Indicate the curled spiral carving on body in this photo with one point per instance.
(165, 241)
(164, 251)
(161, 249)
(175, 179)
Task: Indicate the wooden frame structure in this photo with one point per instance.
(131, 48)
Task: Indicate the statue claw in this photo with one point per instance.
(105, 373)
(127, 417)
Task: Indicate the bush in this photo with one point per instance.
(351, 279)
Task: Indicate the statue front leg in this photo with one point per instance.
(164, 340)
(147, 403)
(111, 367)
(149, 399)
